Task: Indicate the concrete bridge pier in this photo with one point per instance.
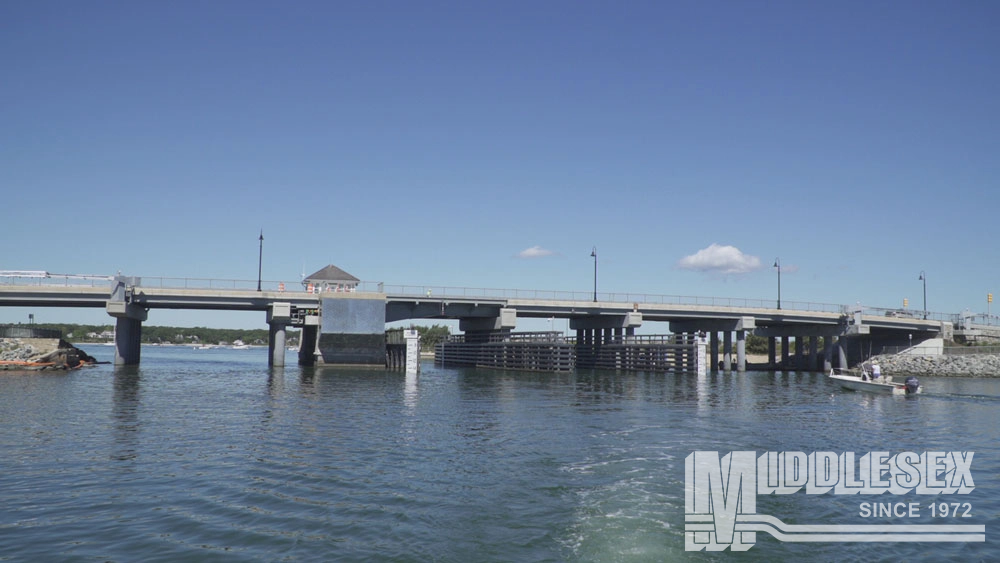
(307, 341)
(479, 329)
(727, 327)
(727, 350)
(827, 353)
(800, 351)
(279, 315)
(128, 332)
(128, 320)
(713, 346)
(741, 350)
(594, 331)
(351, 331)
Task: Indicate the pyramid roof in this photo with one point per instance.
(331, 273)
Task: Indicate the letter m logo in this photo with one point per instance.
(715, 491)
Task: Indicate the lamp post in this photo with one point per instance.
(923, 278)
(260, 258)
(593, 254)
(777, 264)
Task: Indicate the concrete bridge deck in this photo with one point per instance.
(132, 298)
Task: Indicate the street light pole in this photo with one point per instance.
(923, 278)
(260, 258)
(777, 264)
(593, 254)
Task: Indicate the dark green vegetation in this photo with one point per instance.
(431, 335)
(77, 334)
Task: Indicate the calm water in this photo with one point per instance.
(209, 455)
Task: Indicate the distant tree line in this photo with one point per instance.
(82, 334)
(78, 334)
(431, 335)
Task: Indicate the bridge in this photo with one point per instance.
(365, 309)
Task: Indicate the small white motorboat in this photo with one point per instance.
(881, 384)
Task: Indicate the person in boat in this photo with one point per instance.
(876, 372)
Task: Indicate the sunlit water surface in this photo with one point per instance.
(210, 455)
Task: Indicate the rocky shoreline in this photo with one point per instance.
(41, 354)
(971, 365)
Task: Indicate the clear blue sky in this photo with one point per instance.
(437, 142)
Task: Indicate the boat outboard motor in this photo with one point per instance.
(912, 384)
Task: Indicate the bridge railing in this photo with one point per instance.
(11, 277)
(909, 314)
(606, 297)
(983, 319)
(216, 283)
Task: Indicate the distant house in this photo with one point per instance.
(330, 278)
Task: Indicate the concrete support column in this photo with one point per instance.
(599, 330)
(741, 350)
(128, 341)
(813, 353)
(713, 350)
(307, 341)
(827, 353)
(128, 330)
(842, 353)
(784, 352)
(727, 350)
(772, 350)
(276, 345)
(800, 352)
(278, 317)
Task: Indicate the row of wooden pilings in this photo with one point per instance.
(554, 352)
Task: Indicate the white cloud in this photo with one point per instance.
(721, 260)
(535, 252)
